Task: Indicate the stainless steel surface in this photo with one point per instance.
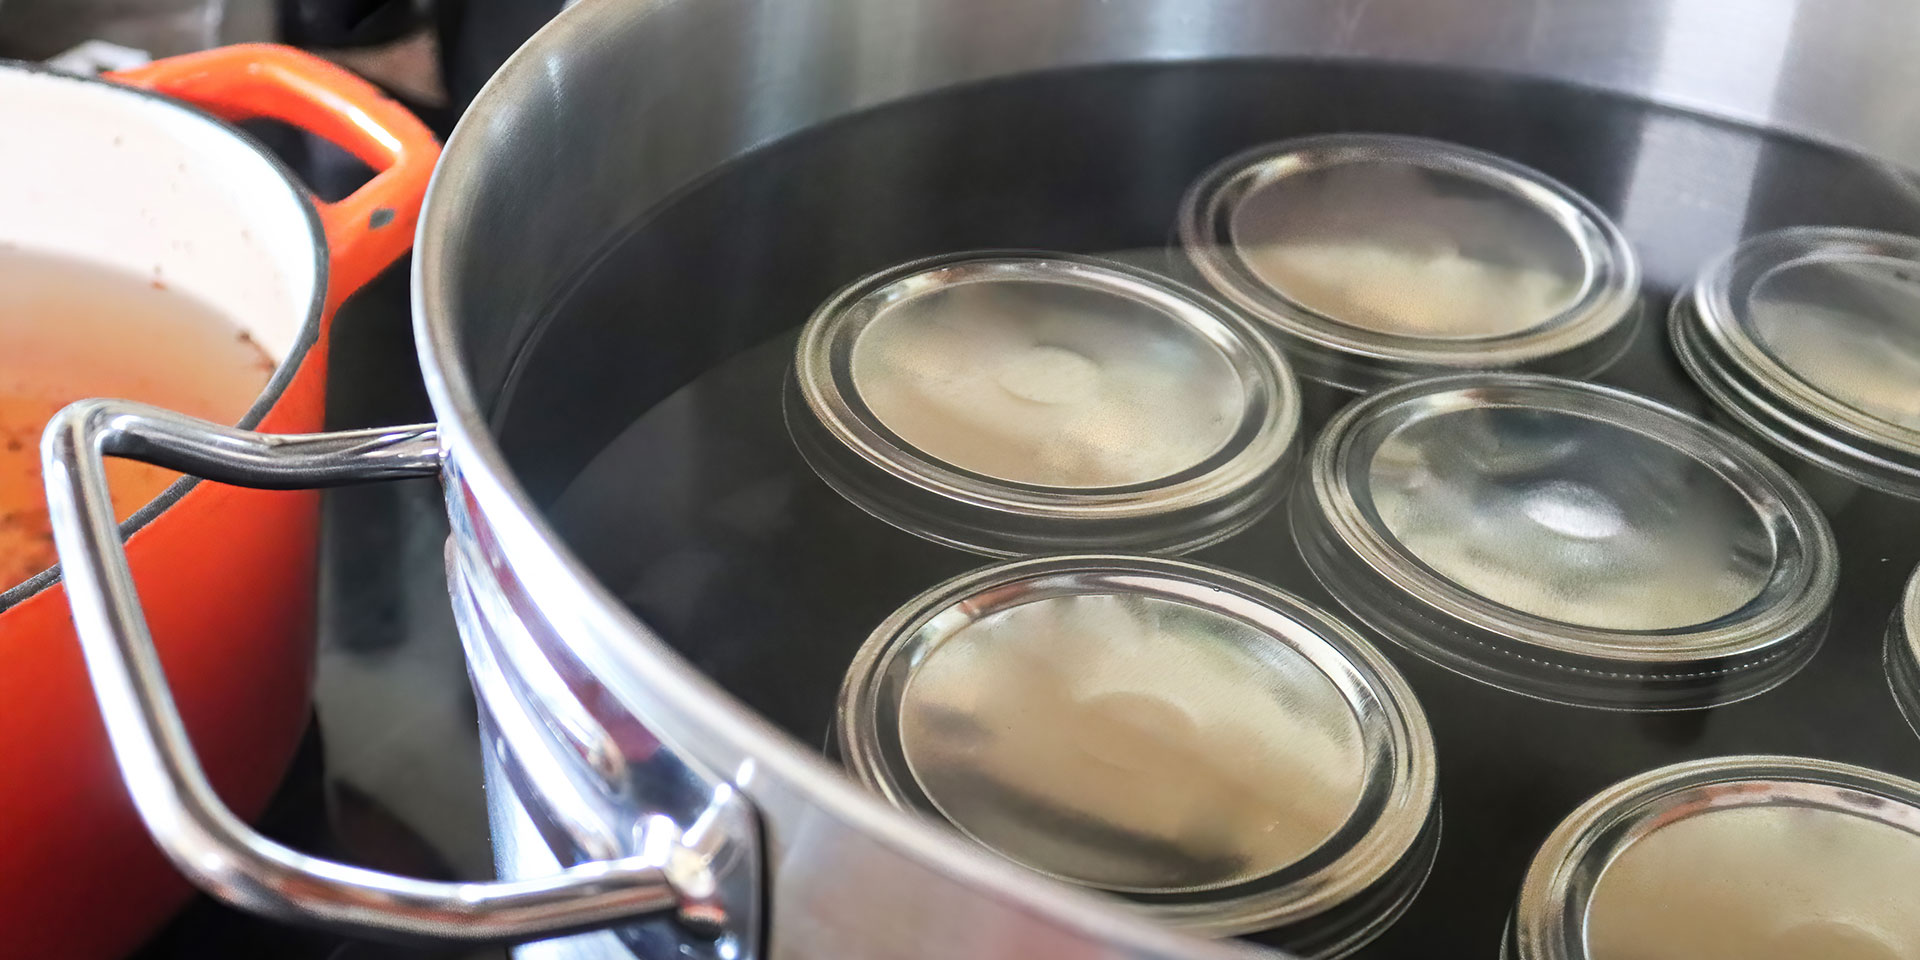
(1903, 653)
(520, 849)
(1810, 336)
(595, 793)
(1737, 858)
(1223, 754)
(202, 837)
(1567, 541)
(1378, 258)
(1034, 403)
(677, 88)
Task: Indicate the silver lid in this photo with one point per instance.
(1379, 258)
(1028, 403)
(1224, 755)
(1734, 858)
(1567, 541)
(1810, 336)
(1903, 653)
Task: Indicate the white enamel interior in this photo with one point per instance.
(113, 176)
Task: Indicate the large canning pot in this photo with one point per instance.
(636, 791)
(139, 174)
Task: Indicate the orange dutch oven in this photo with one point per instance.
(139, 172)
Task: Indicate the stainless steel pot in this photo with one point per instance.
(694, 826)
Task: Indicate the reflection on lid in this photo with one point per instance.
(1570, 518)
(1032, 403)
(1376, 258)
(1220, 754)
(1729, 858)
(1567, 541)
(1132, 743)
(1810, 337)
(1047, 383)
(1850, 327)
(1776, 882)
(1400, 249)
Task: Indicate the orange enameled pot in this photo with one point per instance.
(139, 172)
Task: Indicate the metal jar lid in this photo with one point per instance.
(1734, 858)
(1810, 336)
(1379, 258)
(1903, 653)
(1223, 755)
(1567, 541)
(1019, 403)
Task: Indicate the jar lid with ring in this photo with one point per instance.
(1222, 755)
(1567, 541)
(1731, 858)
(1024, 403)
(1809, 337)
(1376, 258)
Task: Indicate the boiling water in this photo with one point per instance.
(680, 487)
(70, 329)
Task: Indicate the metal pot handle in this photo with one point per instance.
(214, 848)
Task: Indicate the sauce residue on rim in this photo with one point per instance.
(71, 329)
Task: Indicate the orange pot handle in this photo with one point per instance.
(367, 231)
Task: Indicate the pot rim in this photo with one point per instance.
(478, 470)
(304, 338)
